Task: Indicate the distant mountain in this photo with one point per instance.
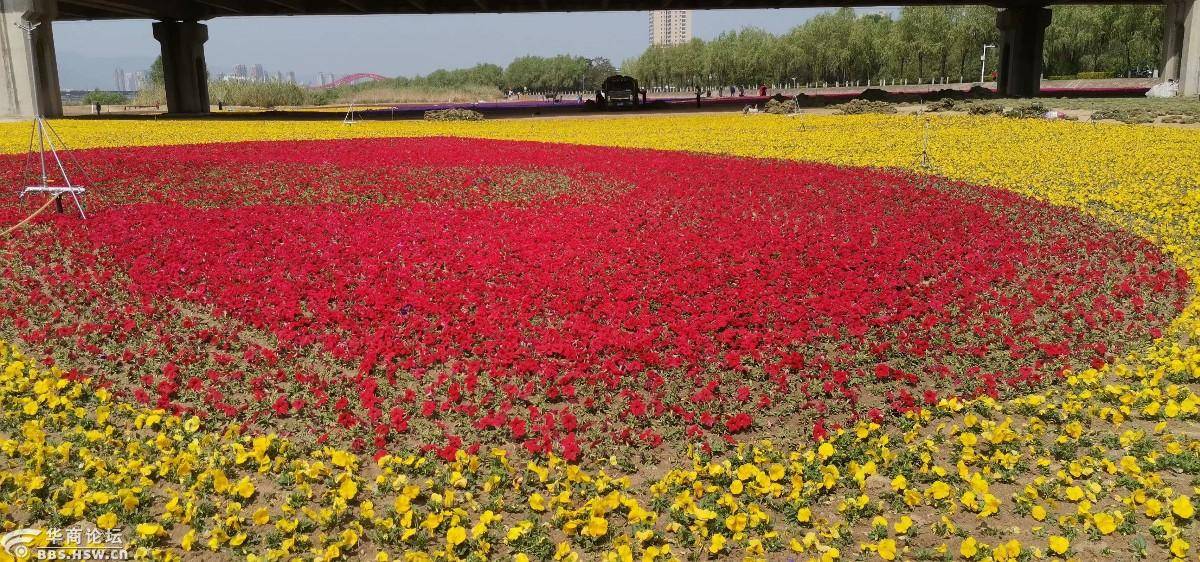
(78, 71)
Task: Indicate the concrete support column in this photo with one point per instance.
(16, 88)
(1181, 45)
(1023, 32)
(1172, 45)
(184, 72)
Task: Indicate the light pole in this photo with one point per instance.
(983, 61)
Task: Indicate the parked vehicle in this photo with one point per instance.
(620, 91)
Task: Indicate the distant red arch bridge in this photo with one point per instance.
(351, 79)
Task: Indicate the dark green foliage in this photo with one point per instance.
(155, 76)
(924, 42)
(780, 107)
(1031, 110)
(103, 98)
(944, 104)
(985, 108)
(453, 115)
(856, 107)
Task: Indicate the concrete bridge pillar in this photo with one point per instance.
(184, 71)
(1181, 45)
(16, 88)
(1023, 32)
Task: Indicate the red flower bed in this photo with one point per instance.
(447, 293)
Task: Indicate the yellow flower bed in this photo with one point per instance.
(1105, 465)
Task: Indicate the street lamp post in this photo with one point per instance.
(983, 61)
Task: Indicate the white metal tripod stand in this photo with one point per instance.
(45, 138)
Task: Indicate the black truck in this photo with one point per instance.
(620, 91)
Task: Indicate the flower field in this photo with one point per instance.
(654, 338)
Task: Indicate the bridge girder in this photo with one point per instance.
(181, 31)
(195, 10)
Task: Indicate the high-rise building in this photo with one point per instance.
(670, 27)
(240, 71)
(119, 78)
(291, 77)
(258, 74)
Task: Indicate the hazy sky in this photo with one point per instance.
(88, 52)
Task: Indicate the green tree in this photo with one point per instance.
(155, 75)
(103, 98)
(1113, 39)
(598, 69)
(923, 42)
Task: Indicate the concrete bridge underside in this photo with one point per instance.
(181, 35)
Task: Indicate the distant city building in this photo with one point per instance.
(670, 27)
(132, 81)
(257, 73)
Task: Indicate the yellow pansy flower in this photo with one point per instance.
(1182, 507)
(596, 527)
(107, 521)
(968, 548)
(886, 549)
(456, 535)
(717, 543)
(1059, 544)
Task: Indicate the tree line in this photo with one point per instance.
(524, 74)
(920, 43)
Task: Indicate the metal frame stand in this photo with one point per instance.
(349, 119)
(45, 137)
(926, 162)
